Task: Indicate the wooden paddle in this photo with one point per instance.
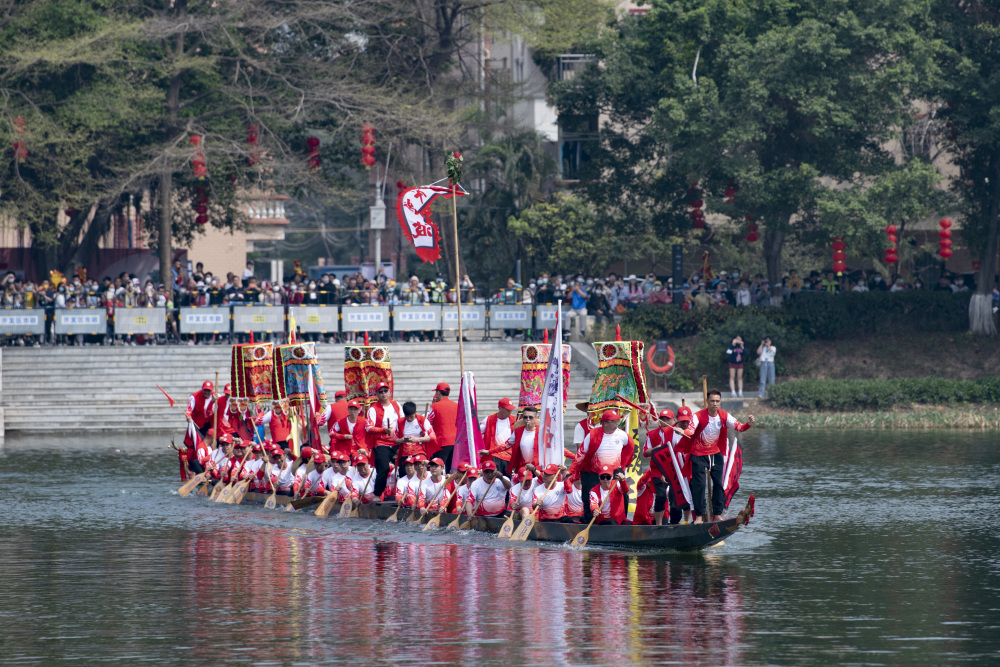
(290, 507)
(224, 494)
(395, 515)
(272, 500)
(528, 522)
(352, 509)
(508, 526)
(466, 525)
(443, 484)
(436, 520)
(584, 535)
(331, 497)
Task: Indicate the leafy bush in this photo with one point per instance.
(852, 395)
(831, 316)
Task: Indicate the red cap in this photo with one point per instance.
(228, 389)
(361, 459)
(419, 457)
(343, 457)
(463, 467)
(307, 452)
(609, 416)
(381, 384)
(505, 404)
(437, 461)
(473, 472)
(226, 437)
(207, 385)
(684, 413)
(339, 393)
(277, 451)
(489, 465)
(354, 404)
(666, 413)
(257, 447)
(268, 443)
(442, 386)
(551, 469)
(526, 476)
(408, 459)
(605, 469)
(319, 458)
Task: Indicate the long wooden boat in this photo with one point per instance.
(680, 537)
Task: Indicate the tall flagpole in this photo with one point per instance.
(458, 291)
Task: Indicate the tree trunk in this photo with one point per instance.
(774, 241)
(98, 227)
(981, 319)
(166, 229)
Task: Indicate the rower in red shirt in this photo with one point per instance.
(664, 478)
(443, 417)
(613, 510)
(496, 429)
(705, 439)
(347, 436)
(607, 445)
(335, 411)
(201, 407)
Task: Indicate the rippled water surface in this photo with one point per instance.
(867, 548)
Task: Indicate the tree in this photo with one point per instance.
(562, 236)
(762, 98)
(969, 88)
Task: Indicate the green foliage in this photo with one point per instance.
(850, 395)
(559, 237)
(825, 316)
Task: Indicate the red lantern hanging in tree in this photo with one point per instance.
(253, 138)
(752, 236)
(198, 161)
(891, 253)
(368, 145)
(20, 146)
(200, 204)
(944, 245)
(697, 205)
(312, 143)
(839, 255)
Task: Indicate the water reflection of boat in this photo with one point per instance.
(686, 537)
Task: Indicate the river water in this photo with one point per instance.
(867, 548)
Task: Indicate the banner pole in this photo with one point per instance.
(458, 279)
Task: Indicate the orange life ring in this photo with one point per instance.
(660, 370)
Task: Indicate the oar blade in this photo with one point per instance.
(271, 503)
(325, 506)
(394, 518)
(507, 529)
(217, 491)
(289, 507)
(203, 490)
(581, 538)
(345, 509)
(522, 532)
(189, 485)
(433, 523)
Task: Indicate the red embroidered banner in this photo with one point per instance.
(413, 209)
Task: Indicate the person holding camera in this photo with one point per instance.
(736, 355)
(765, 360)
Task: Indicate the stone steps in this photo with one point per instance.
(72, 389)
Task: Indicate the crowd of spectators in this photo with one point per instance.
(590, 300)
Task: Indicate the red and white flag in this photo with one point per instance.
(551, 411)
(413, 208)
(468, 438)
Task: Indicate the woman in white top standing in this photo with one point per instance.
(766, 351)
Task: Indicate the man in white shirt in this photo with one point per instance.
(607, 445)
(493, 495)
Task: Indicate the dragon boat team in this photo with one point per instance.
(613, 510)
(551, 503)
(347, 436)
(336, 476)
(380, 429)
(362, 482)
(494, 496)
(432, 493)
(279, 422)
(705, 436)
(218, 464)
(497, 429)
(414, 434)
(607, 445)
(663, 475)
(408, 485)
(201, 407)
(443, 418)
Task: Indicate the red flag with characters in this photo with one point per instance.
(413, 209)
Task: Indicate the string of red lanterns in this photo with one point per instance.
(945, 242)
(20, 146)
(313, 144)
(752, 236)
(891, 253)
(697, 205)
(198, 161)
(200, 204)
(368, 145)
(839, 255)
(253, 138)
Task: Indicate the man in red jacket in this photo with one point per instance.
(380, 427)
(201, 407)
(347, 436)
(443, 417)
(497, 429)
(705, 437)
(605, 446)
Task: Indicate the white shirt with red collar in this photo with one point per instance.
(429, 497)
(495, 496)
(332, 479)
(363, 484)
(407, 489)
(609, 453)
(553, 501)
(574, 502)
(523, 496)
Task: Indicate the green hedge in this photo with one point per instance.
(853, 395)
(817, 315)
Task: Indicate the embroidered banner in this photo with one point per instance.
(413, 209)
(364, 368)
